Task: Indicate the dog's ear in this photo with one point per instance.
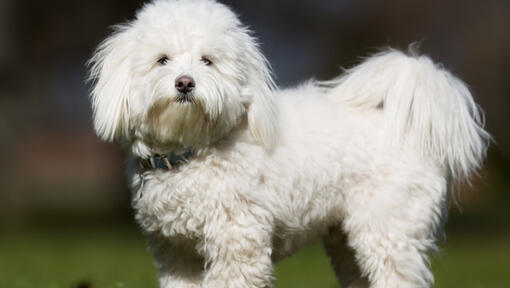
(259, 95)
(110, 78)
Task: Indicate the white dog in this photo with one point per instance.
(233, 174)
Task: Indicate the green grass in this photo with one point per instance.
(57, 260)
(118, 258)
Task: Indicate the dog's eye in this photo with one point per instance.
(206, 60)
(163, 60)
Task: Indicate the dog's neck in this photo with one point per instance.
(150, 156)
(166, 162)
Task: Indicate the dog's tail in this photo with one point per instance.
(425, 108)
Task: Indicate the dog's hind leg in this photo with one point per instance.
(343, 259)
(392, 229)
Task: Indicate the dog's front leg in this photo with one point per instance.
(238, 254)
(177, 262)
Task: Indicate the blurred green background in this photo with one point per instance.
(65, 219)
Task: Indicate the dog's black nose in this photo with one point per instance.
(184, 84)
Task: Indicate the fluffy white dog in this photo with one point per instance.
(233, 174)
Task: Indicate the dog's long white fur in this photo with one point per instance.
(363, 161)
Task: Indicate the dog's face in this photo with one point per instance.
(182, 73)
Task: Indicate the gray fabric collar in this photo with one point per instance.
(166, 162)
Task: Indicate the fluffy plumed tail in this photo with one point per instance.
(425, 108)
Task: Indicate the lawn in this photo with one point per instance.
(118, 258)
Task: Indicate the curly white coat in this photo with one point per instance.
(363, 161)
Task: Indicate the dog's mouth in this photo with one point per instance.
(185, 98)
(183, 102)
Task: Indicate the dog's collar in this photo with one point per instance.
(166, 162)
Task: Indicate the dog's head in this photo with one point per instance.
(182, 73)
